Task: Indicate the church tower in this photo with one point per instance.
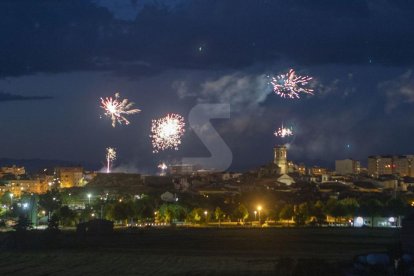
(281, 158)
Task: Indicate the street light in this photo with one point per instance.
(11, 199)
(25, 206)
(259, 208)
(255, 213)
(89, 198)
(206, 213)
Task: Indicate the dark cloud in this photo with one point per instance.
(50, 36)
(6, 97)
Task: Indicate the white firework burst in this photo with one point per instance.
(166, 132)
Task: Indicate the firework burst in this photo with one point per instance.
(110, 156)
(163, 167)
(290, 85)
(283, 132)
(117, 109)
(166, 132)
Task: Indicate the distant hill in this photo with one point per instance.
(35, 165)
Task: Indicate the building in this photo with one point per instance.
(404, 165)
(280, 158)
(391, 164)
(380, 165)
(182, 169)
(230, 175)
(347, 166)
(14, 170)
(21, 186)
(69, 176)
(318, 171)
(286, 179)
(302, 169)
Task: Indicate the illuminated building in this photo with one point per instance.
(404, 165)
(14, 170)
(280, 158)
(388, 164)
(69, 176)
(286, 179)
(379, 165)
(21, 186)
(302, 169)
(347, 166)
(318, 171)
(292, 167)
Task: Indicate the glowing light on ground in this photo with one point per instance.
(166, 132)
(117, 108)
(110, 156)
(290, 85)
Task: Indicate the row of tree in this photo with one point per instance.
(315, 212)
(147, 208)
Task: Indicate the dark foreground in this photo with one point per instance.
(197, 251)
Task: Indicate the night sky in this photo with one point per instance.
(57, 58)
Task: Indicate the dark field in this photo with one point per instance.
(196, 251)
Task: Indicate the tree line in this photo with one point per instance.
(128, 210)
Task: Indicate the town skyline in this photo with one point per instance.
(219, 137)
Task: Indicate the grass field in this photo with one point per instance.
(196, 251)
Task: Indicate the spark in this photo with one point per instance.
(166, 132)
(117, 109)
(283, 132)
(110, 156)
(290, 85)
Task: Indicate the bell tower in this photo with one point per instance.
(281, 158)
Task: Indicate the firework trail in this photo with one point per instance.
(166, 132)
(289, 85)
(283, 132)
(110, 156)
(117, 109)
